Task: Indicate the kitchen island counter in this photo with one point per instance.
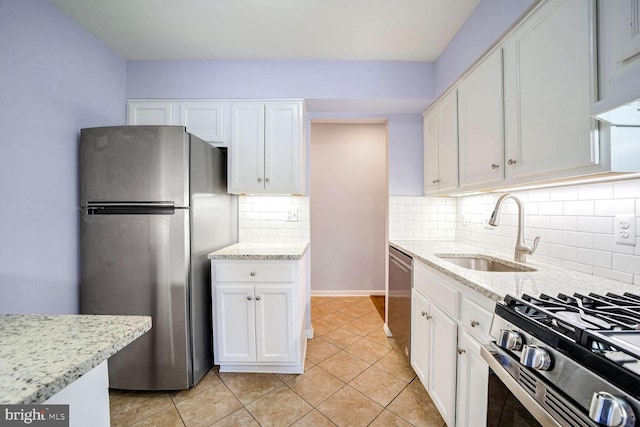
(261, 251)
(42, 354)
(547, 279)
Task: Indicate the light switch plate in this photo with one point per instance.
(292, 213)
(624, 228)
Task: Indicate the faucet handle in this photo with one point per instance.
(535, 245)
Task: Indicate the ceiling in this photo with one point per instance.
(388, 30)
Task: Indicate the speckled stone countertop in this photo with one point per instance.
(547, 279)
(42, 354)
(261, 251)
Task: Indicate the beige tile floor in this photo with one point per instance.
(353, 377)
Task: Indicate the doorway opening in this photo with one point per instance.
(348, 207)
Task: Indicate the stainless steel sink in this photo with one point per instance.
(483, 263)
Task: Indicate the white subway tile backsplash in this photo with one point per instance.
(596, 224)
(626, 263)
(615, 207)
(575, 224)
(596, 191)
(582, 207)
(577, 239)
(564, 193)
(627, 189)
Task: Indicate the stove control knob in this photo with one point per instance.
(535, 357)
(511, 340)
(611, 411)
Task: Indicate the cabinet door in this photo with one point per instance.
(149, 113)
(431, 151)
(549, 87)
(246, 156)
(473, 374)
(420, 332)
(283, 148)
(481, 124)
(442, 363)
(203, 119)
(448, 143)
(275, 324)
(235, 333)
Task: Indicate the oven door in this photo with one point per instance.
(517, 397)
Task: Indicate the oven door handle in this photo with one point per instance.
(491, 354)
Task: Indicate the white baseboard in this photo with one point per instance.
(387, 331)
(346, 293)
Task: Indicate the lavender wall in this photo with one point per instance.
(56, 78)
(280, 79)
(489, 20)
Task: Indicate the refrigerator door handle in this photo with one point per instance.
(130, 208)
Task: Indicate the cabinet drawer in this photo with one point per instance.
(434, 288)
(254, 272)
(475, 318)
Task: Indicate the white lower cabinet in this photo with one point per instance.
(258, 316)
(442, 363)
(472, 382)
(449, 321)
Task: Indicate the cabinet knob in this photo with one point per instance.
(495, 166)
(511, 162)
(461, 350)
(253, 273)
(474, 323)
(267, 180)
(258, 298)
(248, 297)
(259, 179)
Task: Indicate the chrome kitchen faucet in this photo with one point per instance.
(522, 249)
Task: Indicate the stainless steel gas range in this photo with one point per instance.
(567, 360)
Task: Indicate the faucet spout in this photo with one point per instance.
(522, 249)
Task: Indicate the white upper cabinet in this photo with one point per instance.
(267, 148)
(550, 83)
(204, 119)
(150, 113)
(441, 145)
(619, 49)
(481, 124)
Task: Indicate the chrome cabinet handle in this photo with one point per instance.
(435, 181)
(259, 179)
(253, 273)
(258, 298)
(495, 166)
(511, 162)
(248, 297)
(474, 323)
(461, 350)
(267, 180)
(425, 315)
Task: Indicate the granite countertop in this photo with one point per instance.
(42, 354)
(547, 279)
(261, 251)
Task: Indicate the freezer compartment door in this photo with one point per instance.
(134, 164)
(138, 264)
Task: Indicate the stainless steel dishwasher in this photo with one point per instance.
(399, 298)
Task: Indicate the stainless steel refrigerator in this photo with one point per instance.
(154, 203)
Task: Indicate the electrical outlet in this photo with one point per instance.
(292, 213)
(624, 227)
